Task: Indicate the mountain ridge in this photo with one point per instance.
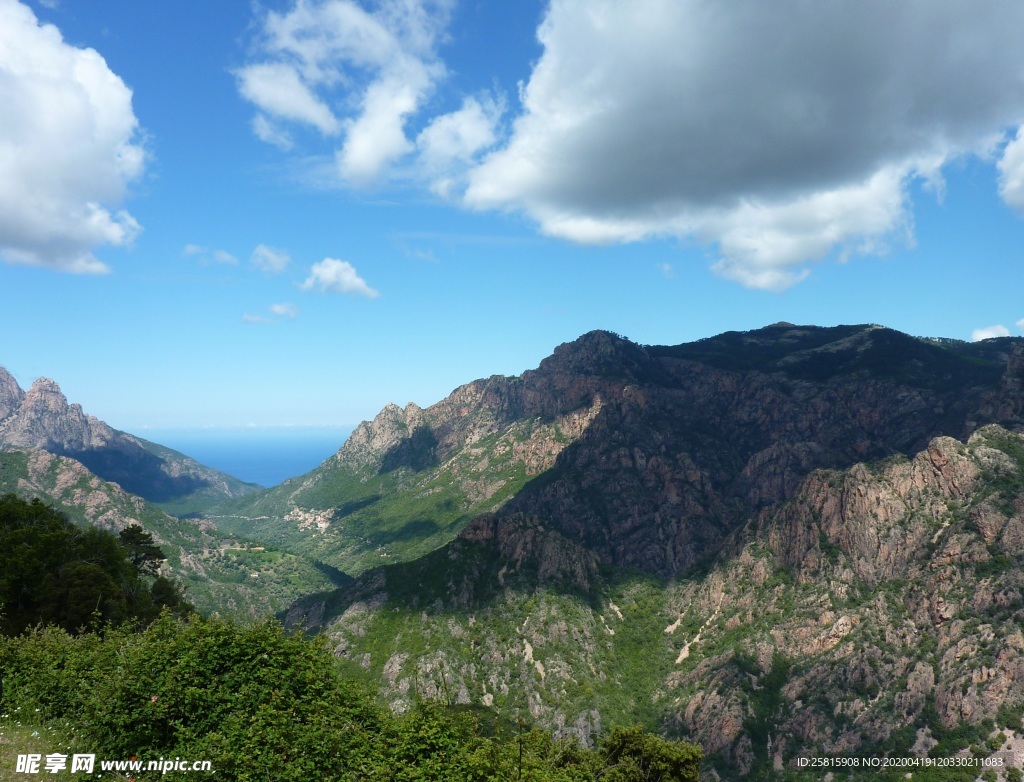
(43, 419)
(691, 436)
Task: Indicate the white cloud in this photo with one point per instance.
(204, 255)
(1020, 324)
(377, 136)
(248, 318)
(989, 332)
(341, 69)
(68, 148)
(278, 89)
(334, 276)
(281, 311)
(767, 245)
(1011, 171)
(267, 130)
(285, 310)
(459, 135)
(270, 260)
(452, 141)
(777, 133)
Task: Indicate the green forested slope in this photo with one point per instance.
(219, 571)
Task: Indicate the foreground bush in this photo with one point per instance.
(261, 704)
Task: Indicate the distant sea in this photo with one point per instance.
(265, 456)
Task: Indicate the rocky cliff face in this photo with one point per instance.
(43, 419)
(886, 598)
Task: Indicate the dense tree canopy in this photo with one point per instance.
(54, 572)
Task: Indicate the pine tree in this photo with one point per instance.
(143, 553)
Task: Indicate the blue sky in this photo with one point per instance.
(292, 213)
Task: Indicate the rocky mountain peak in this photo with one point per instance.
(10, 394)
(371, 441)
(599, 353)
(45, 420)
(46, 392)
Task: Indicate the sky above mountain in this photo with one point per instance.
(295, 211)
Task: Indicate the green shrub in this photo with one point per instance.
(259, 703)
(254, 701)
(632, 755)
(996, 741)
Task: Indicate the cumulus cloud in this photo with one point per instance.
(777, 133)
(334, 276)
(68, 148)
(1020, 324)
(989, 332)
(766, 245)
(270, 260)
(340, 69)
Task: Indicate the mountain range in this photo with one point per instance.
(790, 541)
(786, 542)
(649, 456)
